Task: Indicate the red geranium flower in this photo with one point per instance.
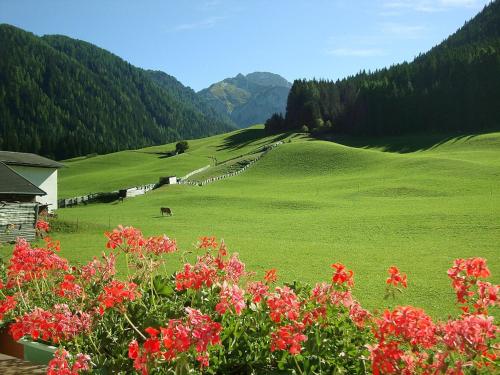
(116, 293)
(289, 338)
(342, 275)
(283, 303)
(271, 276)
(396, 278)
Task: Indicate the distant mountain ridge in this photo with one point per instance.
(248, 99)
(63, 97)
(185, 94)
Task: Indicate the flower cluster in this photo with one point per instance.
(207, 243)
(128, 239)
(27, 263)
(116, 293)
(405, 325)
(60, 365)
(342, 275)
(160, 245)
(409, 342)
(283, 303)
(234, 269)
(271, 276)
(54, 326)
(101, 270)
(210, 270)
(202, 317)
(131, 240)
(295, 315)
(42, 225)
(6, 305)
(231, 297)
(394, 281)
(68, 288)
(288, 337)
(194, 277)
(195, 333)
(470, 334)
(258, 290)
(396, 278)
(471, 292)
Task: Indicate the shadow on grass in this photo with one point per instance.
(245, 137)
(242, 139)
(161, 154)
(400, 144)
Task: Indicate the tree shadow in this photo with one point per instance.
(161, 154)
(241, 139)
(400, 144)
(246, 136)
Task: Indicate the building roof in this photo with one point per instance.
(13, 183)
(30, 160)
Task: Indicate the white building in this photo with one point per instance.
(40, 171)
(171, 180)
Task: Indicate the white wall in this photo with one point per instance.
(45, 179)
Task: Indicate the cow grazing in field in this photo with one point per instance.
(165, 210)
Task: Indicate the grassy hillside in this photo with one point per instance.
(308, 204)
(138, 167)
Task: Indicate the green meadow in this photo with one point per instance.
(310, 203)
(130, 168)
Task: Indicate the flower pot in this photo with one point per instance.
(7, 344)
(36, 352)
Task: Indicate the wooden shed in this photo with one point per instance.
(18, 206)
(38, 170)
(17, 220)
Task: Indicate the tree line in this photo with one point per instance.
(455, 87)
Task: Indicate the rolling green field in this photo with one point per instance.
(310, 203)
(125, 169)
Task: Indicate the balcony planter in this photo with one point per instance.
(7, 344)
(36, 352)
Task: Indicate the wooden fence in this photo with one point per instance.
(106, 197)
(194, 172)
(266, 149)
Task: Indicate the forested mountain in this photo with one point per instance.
(62, 97)
(453, 87)
(186, 94)
(249, 99)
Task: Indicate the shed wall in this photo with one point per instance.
(17, 220)
(45, 179)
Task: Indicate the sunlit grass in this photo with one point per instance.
(308, 204)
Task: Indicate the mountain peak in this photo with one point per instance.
(268, 79)
(248, 99)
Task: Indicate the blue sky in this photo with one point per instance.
(204, 41)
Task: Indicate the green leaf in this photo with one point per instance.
(162, 286)
(282, 362)
(182, 366)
